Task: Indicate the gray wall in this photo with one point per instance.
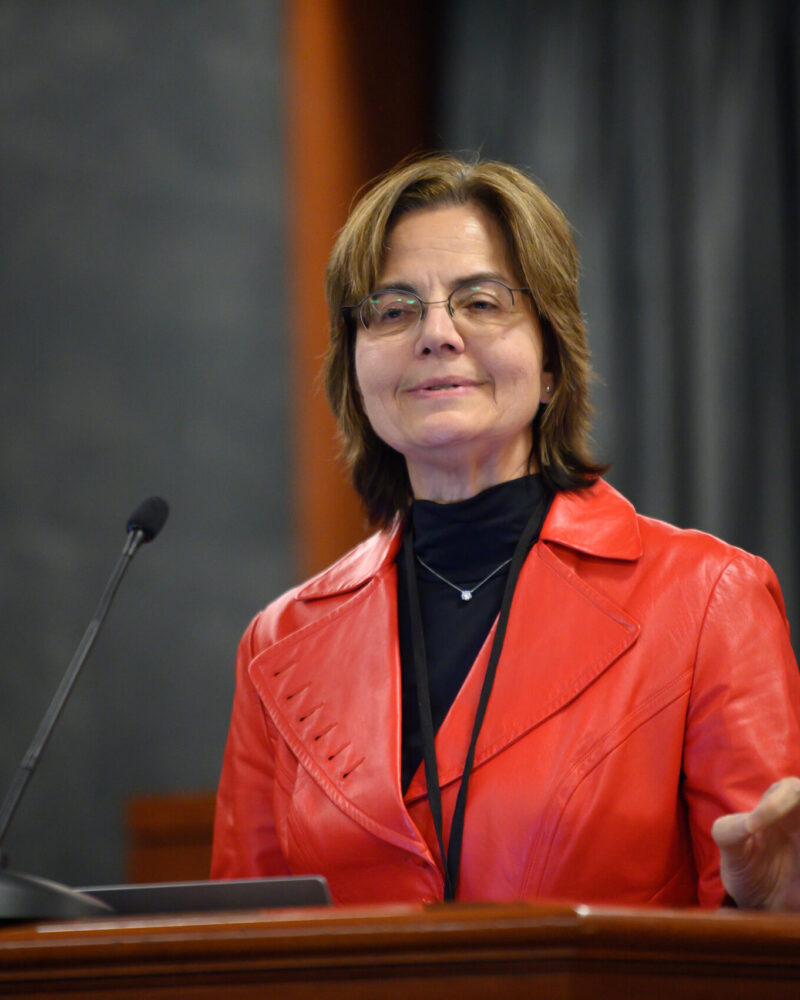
(143, 351)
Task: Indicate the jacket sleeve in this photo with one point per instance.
(743, 723)
(246, 843)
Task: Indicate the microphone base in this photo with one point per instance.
(27, 897)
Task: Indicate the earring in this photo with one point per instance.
(547, 388)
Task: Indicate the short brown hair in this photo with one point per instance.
(541, 246)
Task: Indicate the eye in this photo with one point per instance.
(482, 298)
(481, 303)
(394, 312)
(390, 310)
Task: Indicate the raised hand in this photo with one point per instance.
(760, 850)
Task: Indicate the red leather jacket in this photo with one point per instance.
(647, 685)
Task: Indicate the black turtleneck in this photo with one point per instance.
(464, 542)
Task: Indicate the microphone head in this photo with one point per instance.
(149, 518)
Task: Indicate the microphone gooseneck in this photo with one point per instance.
(22, 897)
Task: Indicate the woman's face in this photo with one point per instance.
(458, 406)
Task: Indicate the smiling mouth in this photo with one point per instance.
(443, 386)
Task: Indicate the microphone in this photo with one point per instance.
(25, 897)
(149, 518)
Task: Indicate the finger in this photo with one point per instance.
(731, 831)
(776, 803)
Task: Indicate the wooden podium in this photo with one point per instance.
(464, 952)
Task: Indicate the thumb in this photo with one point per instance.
(731, 832)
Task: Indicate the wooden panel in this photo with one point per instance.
(169, 837)
(360, 98)
(457, 951)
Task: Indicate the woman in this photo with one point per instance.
(602, 687)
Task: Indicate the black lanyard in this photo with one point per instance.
(452, 858)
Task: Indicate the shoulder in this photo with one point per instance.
(325, 592)
(601, 523)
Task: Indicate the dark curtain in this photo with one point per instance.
(667, 130)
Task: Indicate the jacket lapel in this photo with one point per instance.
(547, 658)
(342, 722)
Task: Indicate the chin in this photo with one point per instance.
(449, 431)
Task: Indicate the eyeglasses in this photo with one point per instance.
(475, 307)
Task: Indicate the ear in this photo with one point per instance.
(547, 387)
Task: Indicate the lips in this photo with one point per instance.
(443, 383)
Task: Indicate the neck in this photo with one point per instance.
(459, 477)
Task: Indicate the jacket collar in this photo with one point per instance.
(347, 735)
(597, 521)
(355, 569)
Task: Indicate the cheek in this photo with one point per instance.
(371, 375)
(517, 384)
(518, 370)
(530, 367)
(515, 358)
(361, 366)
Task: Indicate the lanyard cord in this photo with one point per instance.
(451, 859)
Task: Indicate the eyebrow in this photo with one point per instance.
(405, 286)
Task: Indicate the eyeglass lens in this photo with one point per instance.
(474, 305)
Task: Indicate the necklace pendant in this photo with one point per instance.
(466, 595)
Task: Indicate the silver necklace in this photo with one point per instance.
(466, 595)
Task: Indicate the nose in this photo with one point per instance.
(437, 333)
